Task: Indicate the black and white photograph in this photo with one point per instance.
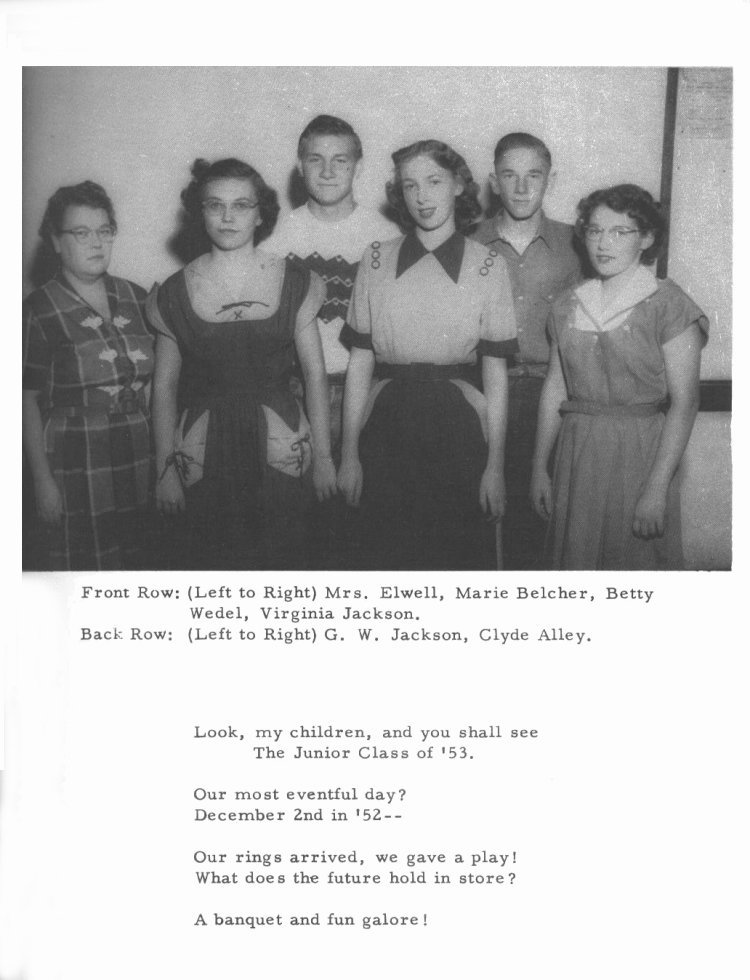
(362, 320)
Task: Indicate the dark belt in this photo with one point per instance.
(428, 372)
(617, 411)
(128, 403)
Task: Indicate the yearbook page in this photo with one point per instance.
(233, 747)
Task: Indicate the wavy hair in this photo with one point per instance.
(636, 203)
(203, 172)
(467, 208)
(328, 126)
(86, 194)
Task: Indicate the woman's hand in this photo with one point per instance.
(650, 511)
(49, 502)
(492, 493)
(540, 493)
(350, 480)
(170, 497)
(324, 477)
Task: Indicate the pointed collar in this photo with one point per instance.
(642, 283)
(542, 232)
(78, 301)
(450, 254)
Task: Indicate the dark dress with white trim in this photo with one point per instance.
(428, 317)
(243, 446)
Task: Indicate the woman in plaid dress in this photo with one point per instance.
(88, 360)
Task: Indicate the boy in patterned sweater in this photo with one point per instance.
(328, 234)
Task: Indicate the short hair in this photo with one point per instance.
(523, 141)
(468, 207)
(86, 194)
(636, 203)
(230, 167)
(328, 126)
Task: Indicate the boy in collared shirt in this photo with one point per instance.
(542, 263)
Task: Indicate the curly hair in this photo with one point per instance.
(468, 207)
(636, 203)
(203, 172)
(328, 126)
(86, 194)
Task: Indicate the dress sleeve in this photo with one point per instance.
(37, 351)
(357, 331)
(155, 310)
(679, 313)
(497, 337)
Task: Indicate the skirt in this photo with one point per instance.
(423, 454)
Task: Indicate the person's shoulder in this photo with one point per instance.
(559, 232)
(561, 227)
(673, 299)
(288, 230)
(375, 224)
(485, 232)
(127, 289)
(667, 289)
(379, 250)
(567, 298)
(484, 257)
(41, 299)
(173, 283)
(294, 218)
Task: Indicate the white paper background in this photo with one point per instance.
(628, 814)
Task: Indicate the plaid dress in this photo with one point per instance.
(92, 374)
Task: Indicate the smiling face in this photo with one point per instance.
(88, 260)
(230, 212)
(614, 242)
(328, 167)
(430, 192)
(520, 180)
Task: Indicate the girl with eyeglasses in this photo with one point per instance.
(238, 463)
(620, 397)
(88, 360)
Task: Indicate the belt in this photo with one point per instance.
(91, 411)
(536, 371)
(129, 402)
(417, 371)
(617, 411)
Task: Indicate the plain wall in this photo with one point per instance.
(138, 130)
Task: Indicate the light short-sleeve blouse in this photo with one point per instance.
(448, 306)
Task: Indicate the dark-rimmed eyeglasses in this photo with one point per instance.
(84, 235)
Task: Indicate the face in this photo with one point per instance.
(230, 212)
(328, 168)
(614, 242)
(86, 260)
(430, 192)
(520, 180)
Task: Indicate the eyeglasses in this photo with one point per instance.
(221, 208)
(594, 233)
(84, 235)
